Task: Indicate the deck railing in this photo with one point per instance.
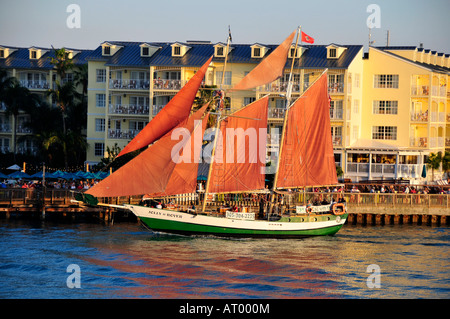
(19, 196)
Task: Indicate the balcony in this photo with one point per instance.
(129, 109)
(420, 90)
(337, 140)
(129, 84)
(277, 113)
(336, 114)
(35, 85)
(419, 117)
(335, 87)
(418, 141)
(122, 134)
(5, 128)
(409, 170)
(281, 87)
(170, 85)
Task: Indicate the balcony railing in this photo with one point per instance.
(419, 117)
(420, 90)
(336, 87)
(129, 84)
(280, 87)
(43, 85)
(164, 84)
(5, 128)
(409, 170)
(122, 134)
(129, 109)
(336, 114)
(337, 140)
(418, 141)
(276, 113)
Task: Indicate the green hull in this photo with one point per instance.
(183, 228)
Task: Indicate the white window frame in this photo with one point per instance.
(100, 100)
(384, 133)
(386, 81)
(101, 76)
(385, 107)
(99, 125)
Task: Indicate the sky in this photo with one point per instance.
(43, 23)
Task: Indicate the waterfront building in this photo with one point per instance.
(32, 68)
(405, 111)
(130, 82)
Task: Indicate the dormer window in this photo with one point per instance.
(179, 49)
(259, 51)
(145, 51)
(33, 54)
(106, 50)
(2, 54)
(220, 51)
(332, 53)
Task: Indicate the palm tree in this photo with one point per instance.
(16, 98)
(61, 61)
(434, 161)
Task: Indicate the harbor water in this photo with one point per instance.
(75, 261)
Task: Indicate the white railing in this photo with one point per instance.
(337, 140)
(276, 113)
(358, 168)
(336, 87)
(122, 134)
(129, 84)
(382, 169)
(409, 170)
(420, 90)
(43, 85)
(281, 86)
(336, 114)
(419, 117)
(418, 141)
(164, 84)
(129, 109)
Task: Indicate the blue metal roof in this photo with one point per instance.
(20, 59)
(129, 55)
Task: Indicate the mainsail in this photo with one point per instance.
(307, 157)
(270, 69)
(171, 115)
(240, 153)
(151, 170)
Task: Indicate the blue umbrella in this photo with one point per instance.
(18, 175)
(3, 175)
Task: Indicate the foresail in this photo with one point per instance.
(171, 115)
(307, 157)
(240, 153)
(184, 176)
(270, 69)
(151, 170)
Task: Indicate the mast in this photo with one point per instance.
(218, 119)
(288, 101)
(289, 87)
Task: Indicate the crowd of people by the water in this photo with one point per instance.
(79, 185)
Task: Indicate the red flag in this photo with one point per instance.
(306, 38)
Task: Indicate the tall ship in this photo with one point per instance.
(173, 147)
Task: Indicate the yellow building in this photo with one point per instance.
(32, 68)
(130, 82)
(404, 111)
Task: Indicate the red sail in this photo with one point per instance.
(307, 157)
(270, 69)
(240, 155)
(171, 115)
(150, 171)
(184, 176)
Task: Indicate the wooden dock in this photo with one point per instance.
(363, 208)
